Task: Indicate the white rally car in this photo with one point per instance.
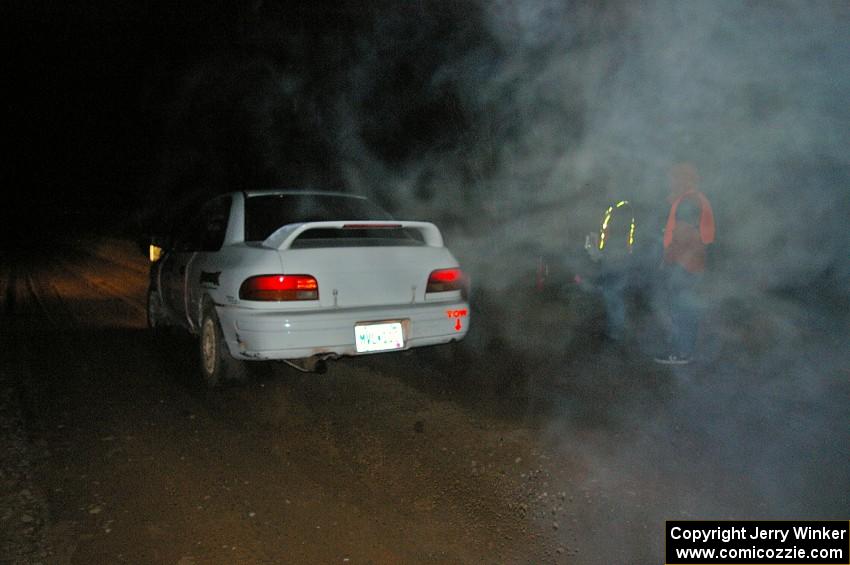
(303, 277)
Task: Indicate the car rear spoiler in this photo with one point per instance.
(283, 237)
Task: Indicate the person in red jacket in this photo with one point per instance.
(688, 233)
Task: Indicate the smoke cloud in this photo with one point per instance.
(485, 115)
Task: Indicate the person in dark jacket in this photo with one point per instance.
(611, 249)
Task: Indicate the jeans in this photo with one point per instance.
(613, 287)
(685, 307)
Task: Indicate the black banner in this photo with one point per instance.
(757, 542)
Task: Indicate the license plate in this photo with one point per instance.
(378, 337)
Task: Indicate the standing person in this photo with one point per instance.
(611, 249)
(688, 233)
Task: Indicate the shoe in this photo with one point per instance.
(673, 360)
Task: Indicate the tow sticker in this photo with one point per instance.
(456, 315)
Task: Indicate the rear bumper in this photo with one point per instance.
(263, 334)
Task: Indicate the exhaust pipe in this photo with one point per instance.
(314, 364)
(318, 363)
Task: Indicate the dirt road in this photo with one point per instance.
(139, 464)
(116, 454)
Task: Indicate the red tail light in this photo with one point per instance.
(280, 288)
(443, 280)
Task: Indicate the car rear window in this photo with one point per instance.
(264, 214)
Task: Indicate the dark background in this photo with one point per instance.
(117, 106)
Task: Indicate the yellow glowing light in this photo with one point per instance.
(607, 218)
(155, 253)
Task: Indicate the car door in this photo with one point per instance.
(175, 267)
(203, 270)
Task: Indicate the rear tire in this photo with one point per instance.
(216, 364)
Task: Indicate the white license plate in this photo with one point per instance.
(378, 337)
